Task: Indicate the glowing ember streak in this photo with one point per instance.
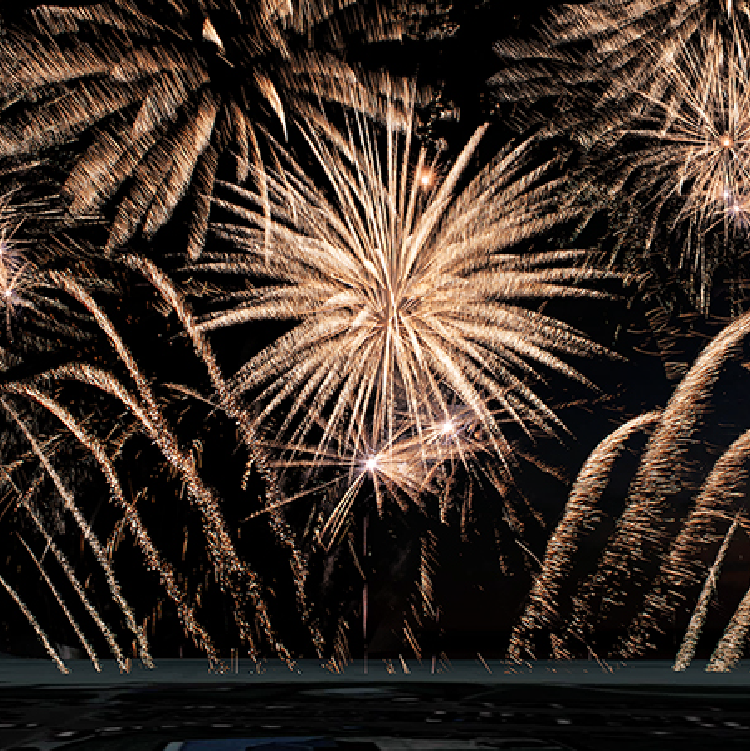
(35, 625)
(579, 516)
(731, 646)
(680, 568)
(211, 35)
(25, 501)
(153, 558)
(226, 401)
(86, 645)
(695, 627)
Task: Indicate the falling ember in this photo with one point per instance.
(86, 532)
(86, 645)
(211, 35)
(680, 567)
(175, 299)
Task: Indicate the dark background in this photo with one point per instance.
(479, 583)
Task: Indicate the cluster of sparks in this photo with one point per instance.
(642, 534)
(408, 292)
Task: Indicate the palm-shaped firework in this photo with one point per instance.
(150, 97)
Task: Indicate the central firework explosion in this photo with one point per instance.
(407, 292)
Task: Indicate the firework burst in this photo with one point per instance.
(407, 300)
(656, 93)
(685, 154)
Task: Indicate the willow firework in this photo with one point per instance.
(660, 547)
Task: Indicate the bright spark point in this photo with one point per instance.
(371, 464)
(727, 142)
(447, 428)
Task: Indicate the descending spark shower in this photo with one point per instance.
(386, 308)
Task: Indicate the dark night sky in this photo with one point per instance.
(475, 598)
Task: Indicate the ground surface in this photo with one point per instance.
(551, 706)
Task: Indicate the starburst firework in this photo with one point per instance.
(408, 298)
(685, 154)
(656, 93)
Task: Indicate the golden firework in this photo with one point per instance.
(404, 301)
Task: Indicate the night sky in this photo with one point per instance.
(483, 567)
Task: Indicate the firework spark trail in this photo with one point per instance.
(729, 650)
(76, 584)
(404, 293)
(221, 547)
(228, 403)
(35, 625)
(86, 645)
(154, 559)
(89, 535)
(658, 93)
(165, 441)
(698, 619)
(639, 534)
(26, 502)
(681, 567)
(542, 609)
